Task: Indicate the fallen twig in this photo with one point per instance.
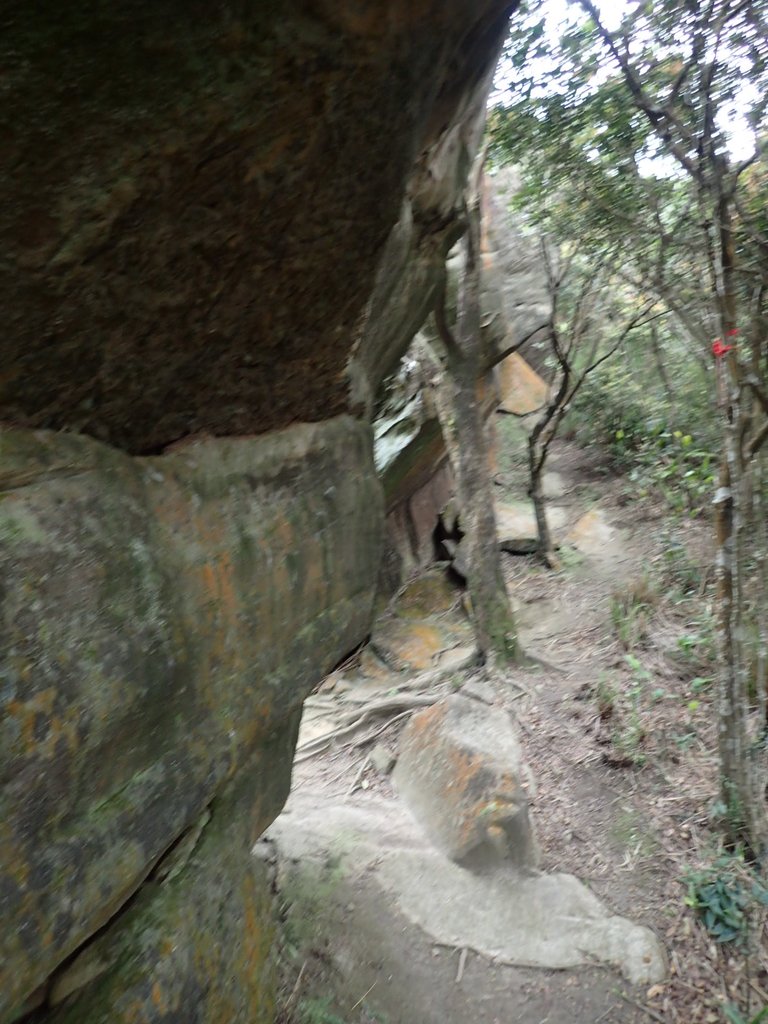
(293, 998)
(641, 1006)
(462, 964)
(359, 776)
(362, 997)
(603, 1016)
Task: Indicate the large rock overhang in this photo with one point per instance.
(197, 198)
(217, 220)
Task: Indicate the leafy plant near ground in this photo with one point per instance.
(696, 647)
(726, 895)
(678, 572)
(731, 897)
(631, 608)
(606, 696)
(621, 711)
(632, 425)
(682, 470)
(318, 1011)
(734, 1015)
(629, 740)
(720, 901)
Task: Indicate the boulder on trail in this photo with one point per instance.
(461, 773)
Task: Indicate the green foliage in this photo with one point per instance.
(734, 1015)
(680, 469)
(613, 410)
(720, 903)
(586, 136)
(313, 1010)
(318, 1011)
(724, 895)
(583, 146)
(698, 647)
(623, 710)
(630, 611)
(629, 739)
(606, 696)
(619, 411)
(679, 572)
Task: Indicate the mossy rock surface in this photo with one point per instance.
(162, 619)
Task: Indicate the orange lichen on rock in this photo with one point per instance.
(460, 771)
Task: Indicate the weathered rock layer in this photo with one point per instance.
(162, 620)
(196, 198)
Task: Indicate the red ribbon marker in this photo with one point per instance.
(719, 349)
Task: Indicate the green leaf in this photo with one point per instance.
(734, 1015)
(701, 683)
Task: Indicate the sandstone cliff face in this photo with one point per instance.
(221, 222)
(516, 271)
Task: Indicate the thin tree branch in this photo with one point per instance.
(519, 344)
(758, 440)
(660, 118)
(655, 316)
(753, 384)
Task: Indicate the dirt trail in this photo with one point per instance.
(347, 920)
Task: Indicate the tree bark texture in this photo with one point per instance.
(546, 547)
(463, 419)
(740, 790)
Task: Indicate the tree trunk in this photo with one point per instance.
(493, 621)
(463, 421)
(745, 806)
(735, 786)
(660, 365)
(536, 461)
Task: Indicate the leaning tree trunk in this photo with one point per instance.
(539, 440)
(745, 805)
(463, 419)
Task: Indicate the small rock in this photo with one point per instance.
(382, 758)
(429, 594)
